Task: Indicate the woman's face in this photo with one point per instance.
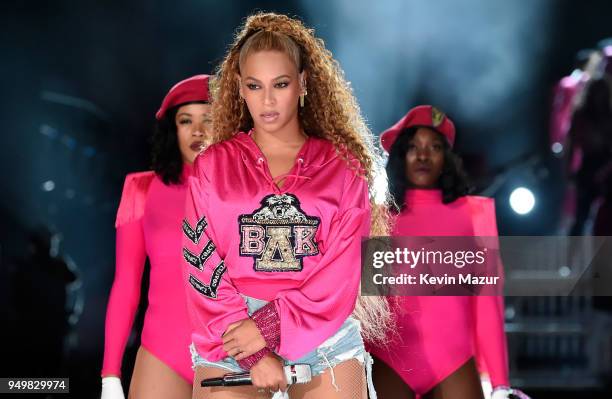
(193, 129)
(425, 159)
(271, 85)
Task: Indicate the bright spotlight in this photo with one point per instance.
(49, 185)
(557, 148)
(522, 200)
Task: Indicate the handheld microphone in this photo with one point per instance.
(294, 374)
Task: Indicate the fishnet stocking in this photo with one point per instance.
(348, 381)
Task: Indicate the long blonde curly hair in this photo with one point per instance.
(330, 112)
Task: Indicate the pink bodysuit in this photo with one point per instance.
(149, 224)
(297, 247)
(436, 335)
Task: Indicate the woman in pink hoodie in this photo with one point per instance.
(148, 225)
(274, 216)
(442, 342)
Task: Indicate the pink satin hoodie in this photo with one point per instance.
(297, 246)
(148, 224)
(436, 335)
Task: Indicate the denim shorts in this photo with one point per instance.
(345, 344)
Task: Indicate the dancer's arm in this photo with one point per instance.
(491, 345)
(491, 338)
(124, 297)
(213, 301)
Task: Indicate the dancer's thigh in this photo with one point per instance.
(153, 379)
(388, 384)
(463, 383)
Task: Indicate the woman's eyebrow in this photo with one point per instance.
(259, 81)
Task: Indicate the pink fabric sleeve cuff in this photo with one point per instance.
(252, 360)
(267, 321)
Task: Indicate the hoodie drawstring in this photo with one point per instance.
(272, 181)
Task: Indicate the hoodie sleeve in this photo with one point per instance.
(302, 318)
(130, 258)
(491, 346)
(212, 300)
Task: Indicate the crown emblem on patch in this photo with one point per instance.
(437, 116)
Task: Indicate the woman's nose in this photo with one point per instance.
(198, 131)
(269, 97)
(422, 153)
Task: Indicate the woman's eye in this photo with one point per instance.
(281, 85)
(437, 147)
(185, 121)
(252, 86)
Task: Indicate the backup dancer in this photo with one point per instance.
(440, 338)
(148, 225)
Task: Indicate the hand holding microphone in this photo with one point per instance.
(268, 373)
(294, 374)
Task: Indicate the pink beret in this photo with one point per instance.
(189, 90)
(421, 116)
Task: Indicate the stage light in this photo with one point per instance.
(49, 185)
(564, 271)
(557, 148)
(522, 200)
(48, 131)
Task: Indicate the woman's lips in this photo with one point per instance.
(422, 169)
(196, 146)
(269, 116)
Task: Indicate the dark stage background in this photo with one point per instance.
(81, 81)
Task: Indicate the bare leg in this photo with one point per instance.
(464, 383)
(388, 384)
(241, 392)
(153, 379)
(349, 378)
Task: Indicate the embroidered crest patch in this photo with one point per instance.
(437, 117)
(278, 235)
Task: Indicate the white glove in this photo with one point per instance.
(502, 392)
(111, 388)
